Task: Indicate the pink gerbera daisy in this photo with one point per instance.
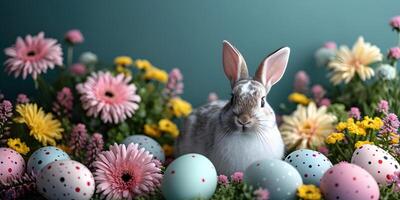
(34, 56)
(126, 172)
(113, 98)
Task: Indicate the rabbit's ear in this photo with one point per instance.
(272, 68)
(235, 67)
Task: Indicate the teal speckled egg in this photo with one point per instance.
(191, 176)
(280, 178)
(311, 165)
(147, 143)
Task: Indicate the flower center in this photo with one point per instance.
(109, 94)
(307, 129)
(31, 53)
(126, 177)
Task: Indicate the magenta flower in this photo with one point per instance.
(126, 172)
(261, 194)
(395, 23)
(22, 98)
(318, 92)
(301, 82)
(394, 179)
(78, 69)
(330, 45)
(113, 98)
(223, 180)
(6, 109)
(355, 113)
(391, 124)
(383, 106)
(74, 36)
(212, 96)
(33, 56)
(94, 148)
(324, 102)
(175, 85)
(64, 103)
(78, 138)
(237, 177)
(394, 53)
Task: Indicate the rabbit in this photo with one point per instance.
(234, 134)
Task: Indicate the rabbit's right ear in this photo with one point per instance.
(235, 67)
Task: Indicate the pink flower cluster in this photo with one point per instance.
(78, 138)
(74, 36)
(237, 177)
(22, 99)
(394, 179)
(78, 69)
(330, 45)
(94, 148)
(301, 82)
(64, 103)
(394, 53)
(175, 83)
(6, 109)
(395, 23)
(383, 106)
(261, 194)
(355, 113)
(391, 124)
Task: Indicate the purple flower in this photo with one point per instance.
(237, 177)
(261, 194)
(301, 82)
(175, 85)
(394, 53)
(395, 23)
(383, 106)
(324, 102)
(94, 148)
(78, 69)
(318, 92)
(79, 137)
(330, 45)
(74, 36)
(223, 180)
(6, 109)
(391, 124)
(64, 103)
(355, 113)
(22, 99)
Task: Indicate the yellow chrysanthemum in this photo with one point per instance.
(299, 98)
(358, 144)
(356, 128)
(143, 64)
(309, 192)
(374, 124)
(180, 107)
(42, 126)
(169, 127)
(334, 137)
(307, 127)
(123, 61)
(156, 74)
(168, 149)
(18, 146)
(341, 126)
(348, 63)
(123, 70)
(394, 138)
(152, 130)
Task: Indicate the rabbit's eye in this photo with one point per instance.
(262, 102)
(232, 96)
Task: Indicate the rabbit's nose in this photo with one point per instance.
(244, 120)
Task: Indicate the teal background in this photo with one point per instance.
(188, 34)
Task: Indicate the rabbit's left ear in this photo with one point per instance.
(273, 67)
(235, 67)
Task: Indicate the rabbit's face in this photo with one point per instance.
(247, 103)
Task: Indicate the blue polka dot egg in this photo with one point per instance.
(44, 156)
(147, 143)
(191, 176)
(277, 176)
(311, 164)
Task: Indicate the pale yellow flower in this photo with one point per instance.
(299, 98)
(349, 63)
(358, 144)
(18, 146)
(169, 127)
(180, 107)
(309, 192)
(307, 127)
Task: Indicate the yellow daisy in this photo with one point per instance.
(348, 63)
(179, 107)
(42, 126)
(334, 137)
(123, 61)
(307, 126)
(143, 64)
(156, 74)
(18, 146)
(309, 192)
(299, 98)
(152, 130)
(169, 127)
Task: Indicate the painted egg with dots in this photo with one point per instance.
(348, 181)
(191, 176)
(147, 143)
(65, 179)
(12, 164)
(311, 164)
(44, 156)
(379, 163)
(280, 178)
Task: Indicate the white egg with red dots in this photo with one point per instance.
(147, 143)
(311, 164)
(379, 163)
(44, 156)
(12, 164)
(65, 179)
(191, 176)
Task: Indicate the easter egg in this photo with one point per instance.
(191, 176)
(311, 164)
(379, 163)
(12, 164)
(348, 181)
(65, 179)
(147, 143)
(44, 156)
(280, 178)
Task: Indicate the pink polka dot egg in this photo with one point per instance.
(65, 179)
(379, 163)
(12, 164)
(348, 181)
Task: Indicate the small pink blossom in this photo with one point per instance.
(355, 113)
(22, 99)
(318, 92)
(330, 45)
(383, 106)
(64, 103)
(261, 194)
(237, 177)
(324, 150)
(395, 23)
(78, 138)
(301, 82)
(223, 180)
(78, 69)
(394, 52)
(212, 97)
(74, 36)
(324, 102)
(175, 85)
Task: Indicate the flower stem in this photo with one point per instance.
(70, 54)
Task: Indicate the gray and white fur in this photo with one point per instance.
(236, 133)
